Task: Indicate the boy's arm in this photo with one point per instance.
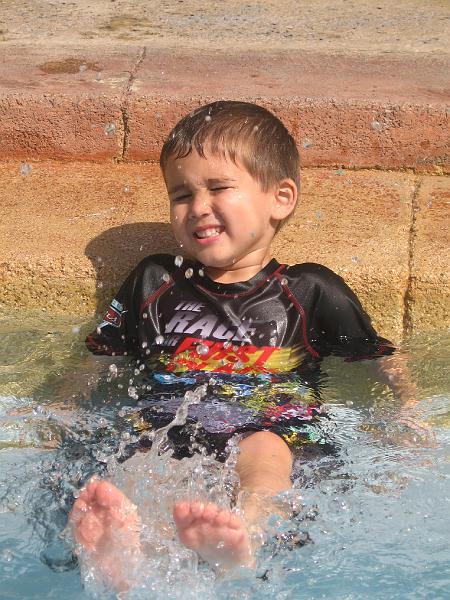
(340, 326)
(393, 371)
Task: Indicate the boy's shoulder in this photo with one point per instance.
(316, 279)
(155, 270)
(162, 263)
(314, 272)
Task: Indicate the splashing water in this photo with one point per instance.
(154, 482)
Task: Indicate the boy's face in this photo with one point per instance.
(219, 213)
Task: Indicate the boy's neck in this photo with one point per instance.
(235, 275)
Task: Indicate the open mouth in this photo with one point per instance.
(208, 232)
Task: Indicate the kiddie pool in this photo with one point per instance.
(375, 515)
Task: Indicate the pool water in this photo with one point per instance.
(374, 515)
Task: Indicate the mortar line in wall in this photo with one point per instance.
(407, 298)
(126, 96)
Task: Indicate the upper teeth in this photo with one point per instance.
(208, 232)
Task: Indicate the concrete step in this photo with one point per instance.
(70, 231)
(98, 102)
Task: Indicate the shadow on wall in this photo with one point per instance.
(116, 251)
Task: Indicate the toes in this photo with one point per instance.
(182, 514)
(78, 511)
(88, 491)
(88, 531)
(107, 495)
(197, 509)
(222, 518)
(210, 512)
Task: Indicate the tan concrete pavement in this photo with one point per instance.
(428, 292)
(71, 231)
(329, 26)
(97, 103)
(359, 84)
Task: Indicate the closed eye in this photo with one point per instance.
(181, 198)
(220, 188)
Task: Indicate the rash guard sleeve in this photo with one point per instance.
(337, 324)
(132, 316)
(117, 332)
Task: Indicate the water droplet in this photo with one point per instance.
(144, 344)
(113, 369)
(7, 555)
(83, 67)
(127, 189)
(145, 315)
(355, 259)
(25, 169)
(110, 129)
(75, 329)
(159, 339)
(349, 403)
(132, 392)
(201, 272)
(166, 277)
(377, 126)
(141, 248)
(98, 76)
(255, 127)
(188, 273)
(202, 349)
(178, 260)
(100, 285)
(307, 143)
(208, 118)
(284, 281)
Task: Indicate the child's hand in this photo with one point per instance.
(409, 427)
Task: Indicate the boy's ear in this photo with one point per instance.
(286, 195)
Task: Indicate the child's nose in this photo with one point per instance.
(200, 205)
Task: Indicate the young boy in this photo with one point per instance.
(232, 175)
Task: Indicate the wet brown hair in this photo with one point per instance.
(240, 131)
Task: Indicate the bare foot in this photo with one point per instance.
(106, 524)
(219, 536)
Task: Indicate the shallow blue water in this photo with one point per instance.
(376, 512)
